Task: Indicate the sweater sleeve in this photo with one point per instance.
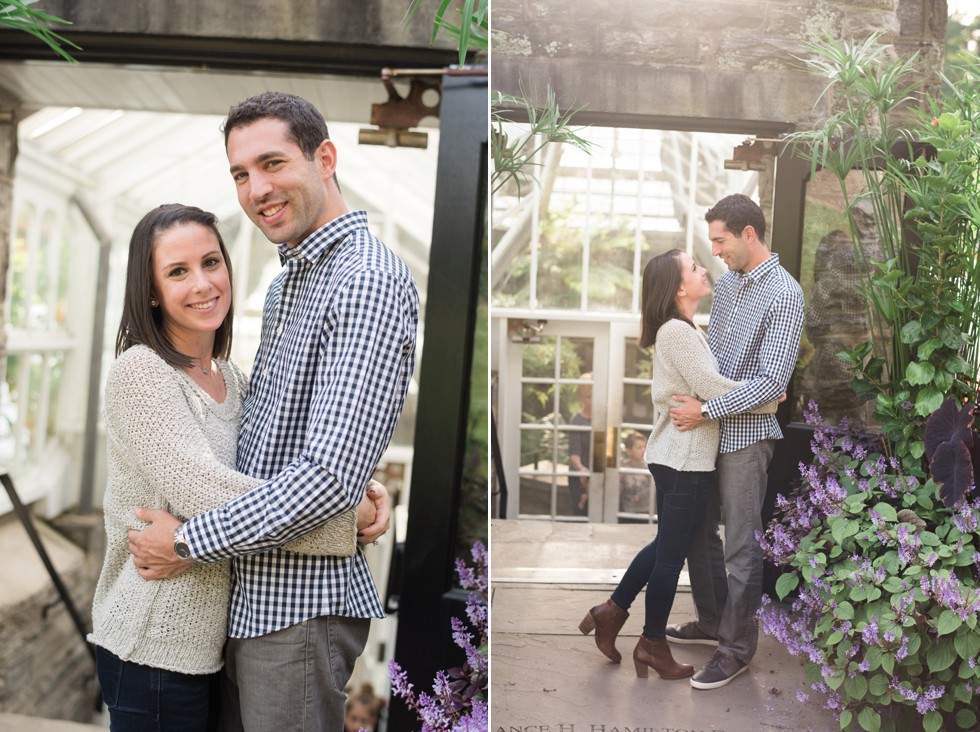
(681, 348)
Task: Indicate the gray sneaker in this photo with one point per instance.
(718, 671)
(689, 633)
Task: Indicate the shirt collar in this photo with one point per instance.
(759, 271)
(320, 241)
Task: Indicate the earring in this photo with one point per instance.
(682, 293)
(154, 304)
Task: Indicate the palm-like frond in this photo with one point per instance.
(472, 30)
(19, 15)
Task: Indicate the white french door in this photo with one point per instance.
(575, 388)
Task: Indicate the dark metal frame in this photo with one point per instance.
(300, 57)
(28, 523)
(428, 598)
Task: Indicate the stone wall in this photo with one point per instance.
(365, 22)
(691, 60)
(45, 668)
(9, 112)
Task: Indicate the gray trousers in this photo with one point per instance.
(726, 601)
(292, 679)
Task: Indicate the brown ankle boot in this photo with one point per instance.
(656, 655)
(606, 620)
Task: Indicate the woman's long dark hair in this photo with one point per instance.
(662, 279)
(143, 324)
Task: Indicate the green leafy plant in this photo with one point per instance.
(880, 541)
(515, 148)
(19, 14)
(472, 30)
(920, 183)
(886, 567)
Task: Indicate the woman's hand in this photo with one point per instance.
(373, 513)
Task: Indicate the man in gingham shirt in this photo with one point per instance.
(327, 387)
(754, 332)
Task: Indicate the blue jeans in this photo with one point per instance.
(146, 699)
(682, 497)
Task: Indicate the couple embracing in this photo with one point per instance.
(709, 449)
(235, 506)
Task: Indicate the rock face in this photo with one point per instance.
(836, 320)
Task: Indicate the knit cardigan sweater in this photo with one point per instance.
(683, 364)
(171, 446)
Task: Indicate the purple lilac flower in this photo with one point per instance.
(965, 519)
(870, 632)
(908, 542)
(448, 709)
(903, 650)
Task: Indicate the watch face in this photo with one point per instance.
(180, 545)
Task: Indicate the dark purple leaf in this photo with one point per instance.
(975, 453)
(948, 423)
(952, 468)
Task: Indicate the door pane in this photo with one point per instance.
(576, 361)
(539, 358)
(836, 315)
(577, 452)
(556, 436)
(636, 491)
(538, 473)
(537, 402)
(637, 406)
(637, 364)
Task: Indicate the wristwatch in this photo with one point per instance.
(181, 549)
(704, 410)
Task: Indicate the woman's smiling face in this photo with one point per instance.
(191, 283)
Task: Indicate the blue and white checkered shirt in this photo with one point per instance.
(327, 387)
(754, 332)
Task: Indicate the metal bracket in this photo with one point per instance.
(395, 117)
(526, 331)
(752, 155)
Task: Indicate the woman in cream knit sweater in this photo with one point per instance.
(682, 463)
(172, 410)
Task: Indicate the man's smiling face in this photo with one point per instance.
(281, 191)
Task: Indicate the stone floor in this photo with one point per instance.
(547, 677)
